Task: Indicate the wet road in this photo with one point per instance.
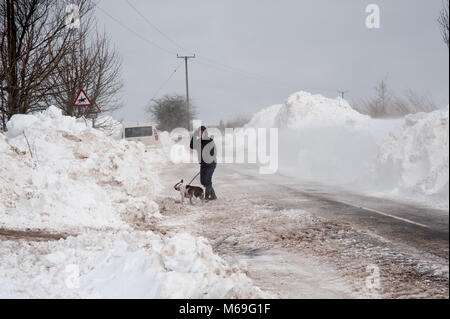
(417, 226)
(302, 240)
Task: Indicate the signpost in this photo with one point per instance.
(92, 109)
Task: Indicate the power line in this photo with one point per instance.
(234, 69)
(212, 62)
(134, 32)
(266, 80)
(207, 60)
(155, 27)
(176, 43)
(166, 82)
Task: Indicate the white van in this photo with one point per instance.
(146, 134)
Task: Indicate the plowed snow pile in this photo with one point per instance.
(119, 265)
(266, 117)
(59, 175)
(325, 140)
(304, 109)
(417, 154)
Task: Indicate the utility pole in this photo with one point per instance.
(342, 94)
(186, 58)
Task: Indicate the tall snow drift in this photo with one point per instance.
(417, 154)
(60, 173)
(303, 108)
(325, 140)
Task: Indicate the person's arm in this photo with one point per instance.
(213, 149)
(195, 136)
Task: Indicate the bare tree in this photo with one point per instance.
(418, 103)
(3, 112)
(443, 21)
(389, 105)
(93, 65)
(377, 106)
(34, 37)
(170, 112)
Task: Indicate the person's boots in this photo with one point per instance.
(207, 192)
(212, 194)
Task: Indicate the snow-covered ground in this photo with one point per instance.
(119, 264)
(325, 140)
(79, 214)
(61, 178)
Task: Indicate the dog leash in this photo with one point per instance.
(193, 179)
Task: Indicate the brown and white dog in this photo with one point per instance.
(190, 192)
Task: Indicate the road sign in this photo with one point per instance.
(93, 111)
(89, 109)
(82, 100)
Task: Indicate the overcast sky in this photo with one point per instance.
(255, 53)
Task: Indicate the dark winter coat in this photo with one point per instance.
(199, 144)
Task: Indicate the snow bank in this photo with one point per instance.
(58, 173)
(304, 109)
(417, 155)
(321, 139)
(325, 140)
(119, 265)
(176, 148)
(109, 126)
(266, 117)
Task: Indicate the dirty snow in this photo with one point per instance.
(61, 178)
(296, 245)
(62, 174)
(119, 265)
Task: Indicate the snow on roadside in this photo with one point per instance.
(305, 109)
(74, 176)
(119, 265)
(325, 140)
(266, 117)
(416, 157)
(58, 175)
(176, 148)
(108, 125)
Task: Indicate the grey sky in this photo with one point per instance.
(282, 47)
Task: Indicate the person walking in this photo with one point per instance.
(207, 156)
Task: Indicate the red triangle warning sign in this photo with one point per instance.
(93, 109)
(82, 100)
